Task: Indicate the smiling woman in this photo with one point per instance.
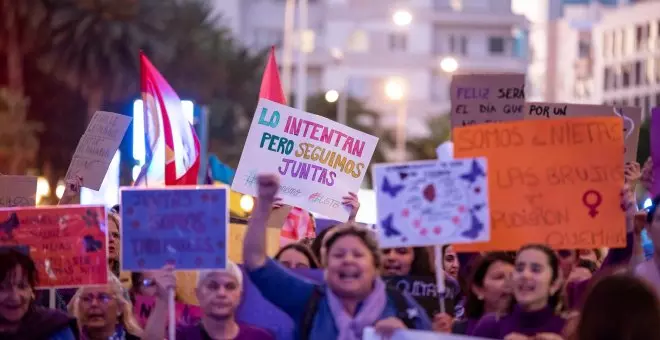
(354, 298)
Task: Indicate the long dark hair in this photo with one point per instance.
(301, 248)
(474, 307)
(553, 261)
(620, 306)
(11, 258)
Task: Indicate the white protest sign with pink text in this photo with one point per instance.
(318, 160)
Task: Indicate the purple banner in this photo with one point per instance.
(655, 149)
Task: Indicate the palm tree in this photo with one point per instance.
(19, 143)
(94, 45)
(21, 22)
(358, 117)
(424, 147)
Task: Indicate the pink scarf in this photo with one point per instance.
(350, 328)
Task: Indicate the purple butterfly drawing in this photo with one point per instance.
(388, 228)
(475, 172)
(392, 190)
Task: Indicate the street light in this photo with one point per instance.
(395, 90)
(449, 64)
(331, 96)
(402, 18)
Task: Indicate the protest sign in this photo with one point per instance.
(486, 98)
(632, 118)
(429, 203)
(18, 191)
(186, 315)
(655, 149)
(425, 291)
(68, 244)
(319, 161)
(237, 235)
(96, 148)
(183, 226)
(404, 334)
(558, 181)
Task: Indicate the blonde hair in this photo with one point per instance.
(232, 270)
(127, 318)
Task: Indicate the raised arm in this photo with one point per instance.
(71, 190)
(254, 244)
(155, 327)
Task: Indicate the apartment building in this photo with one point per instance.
(627, 55)
(357, 47)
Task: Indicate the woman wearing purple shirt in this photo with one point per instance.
(536, 287)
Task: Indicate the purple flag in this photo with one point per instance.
(655, 149)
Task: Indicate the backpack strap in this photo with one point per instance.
(403, 308)
(310, 312)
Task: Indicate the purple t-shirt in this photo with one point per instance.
(519, 321)
(246, 332)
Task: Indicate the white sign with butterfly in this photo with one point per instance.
(427, 203)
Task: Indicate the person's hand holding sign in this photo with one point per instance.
(351, 201)
(71, 190)
(647, 174)
(632, 173)
(629, 205)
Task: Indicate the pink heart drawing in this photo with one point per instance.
(461, 208)
(456, 220)
(405, 212)
(423, 232)
(437, 230)
(417, 223)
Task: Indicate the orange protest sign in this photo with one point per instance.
(68, 244)
(556, 182)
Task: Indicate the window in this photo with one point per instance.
(647, 105)
(638, 73)
(606, 78)
(657, 99)
(398, 42)
(496, 45)
(458, 45)
(636, 102)
(584, 49)
(358, 41)
(626, 77)
(456, 5)
(639, 37)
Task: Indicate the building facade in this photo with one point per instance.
(627, 55)
(357, 48)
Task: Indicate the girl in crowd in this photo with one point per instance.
(114, 242)
(219, 293)
(406, 261)
(619, 306)
(450, 261)
(489, 291)
(20, 317)
(354, 296)
(536, 286)
(650, 269)
(103, 312)
(296, 256)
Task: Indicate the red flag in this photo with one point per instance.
(299, 223)
(171, 144)
(271, 87)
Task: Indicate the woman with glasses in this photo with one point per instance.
(104, 313)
